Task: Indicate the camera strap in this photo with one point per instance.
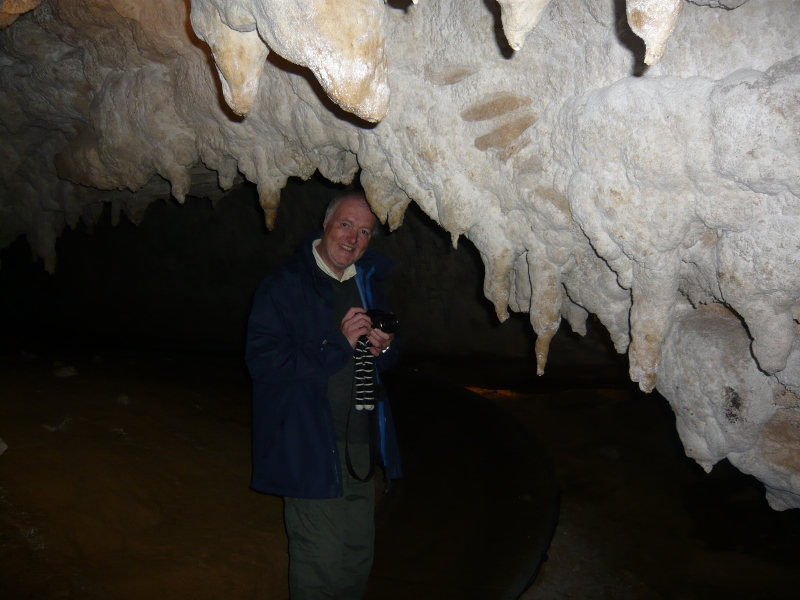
(363, 384)
(362, 398)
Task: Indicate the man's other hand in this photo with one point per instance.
(380, 341)
(355, 324)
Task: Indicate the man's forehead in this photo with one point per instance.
(354, 208)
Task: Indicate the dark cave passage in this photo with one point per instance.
(184, 278)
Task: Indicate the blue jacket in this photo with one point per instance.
(291, 352)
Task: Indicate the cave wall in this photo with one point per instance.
(183, 279)
(639, 160)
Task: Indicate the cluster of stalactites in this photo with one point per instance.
(342, 43)
(652, 20)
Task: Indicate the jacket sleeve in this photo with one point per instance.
(281, 347)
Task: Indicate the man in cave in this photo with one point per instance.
(314, 442)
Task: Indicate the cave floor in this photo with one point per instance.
(126, 477)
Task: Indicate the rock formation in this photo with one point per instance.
(653, 181)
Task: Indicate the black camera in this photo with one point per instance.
(386, 322)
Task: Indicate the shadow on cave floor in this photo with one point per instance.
(639, 520)
(126, 477)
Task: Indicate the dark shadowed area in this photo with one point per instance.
(183, 280)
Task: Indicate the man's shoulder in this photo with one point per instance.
(377, 262)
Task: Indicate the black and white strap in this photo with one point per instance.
(364, 386)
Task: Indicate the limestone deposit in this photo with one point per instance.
(638, 161)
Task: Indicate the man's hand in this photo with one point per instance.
(380, 341)
(355, 324)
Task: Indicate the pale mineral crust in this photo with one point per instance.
(653, 21)
(664, 199)
(519, 17)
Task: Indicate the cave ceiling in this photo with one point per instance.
(638, 161)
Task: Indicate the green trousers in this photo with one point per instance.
(331, 541)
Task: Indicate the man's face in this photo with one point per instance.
(346, 234)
